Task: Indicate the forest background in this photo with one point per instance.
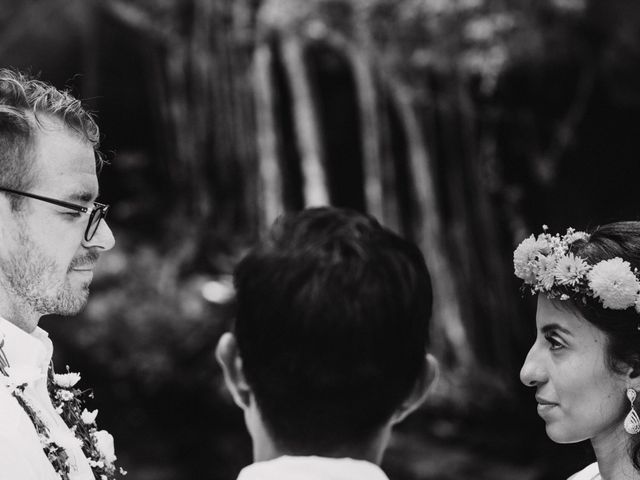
(462, 124)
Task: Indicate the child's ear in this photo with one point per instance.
(228, 357)
(428, 377)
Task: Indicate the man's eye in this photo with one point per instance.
(73, 214)
(554, 343)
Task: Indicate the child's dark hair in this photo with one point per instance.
(332, 322)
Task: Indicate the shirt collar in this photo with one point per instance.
(312, 468)
(26, 350)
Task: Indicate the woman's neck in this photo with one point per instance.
(612, 452)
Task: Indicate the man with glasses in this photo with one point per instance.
(52, 232)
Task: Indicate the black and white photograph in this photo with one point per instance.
(319, 240)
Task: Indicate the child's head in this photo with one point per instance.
(331, 330)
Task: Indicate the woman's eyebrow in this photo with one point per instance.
(550, 327)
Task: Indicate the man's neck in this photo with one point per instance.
(20, 315)
(27, 326)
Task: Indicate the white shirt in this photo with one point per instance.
(312, 468)
(591, 472)
(21, 454)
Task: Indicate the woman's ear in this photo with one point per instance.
(632, 370)
(228, 356)
(428, 378)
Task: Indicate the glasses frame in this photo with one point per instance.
(100, 209)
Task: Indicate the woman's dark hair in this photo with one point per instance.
(620, 239)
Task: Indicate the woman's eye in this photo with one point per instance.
(74, 214)
(554, 343)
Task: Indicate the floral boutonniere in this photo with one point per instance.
(97, 445)
(83, 433)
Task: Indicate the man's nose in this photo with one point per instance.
(103, 238)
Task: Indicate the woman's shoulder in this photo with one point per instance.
(590, 472)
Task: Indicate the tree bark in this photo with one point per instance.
(370, 134)
(315, 190)
(269, 176)
(447, 316)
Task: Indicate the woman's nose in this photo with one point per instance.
(532, 372)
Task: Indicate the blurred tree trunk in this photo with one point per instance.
(246, 137)
(451, 342)
(201, 52)
(270, 174)
(379, 175)
(381, 189)
(314, 186)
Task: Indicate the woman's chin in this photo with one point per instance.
(559, 434)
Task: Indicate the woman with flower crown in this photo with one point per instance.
(585, 361)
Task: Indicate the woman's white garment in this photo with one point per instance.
(591, 472)
(21, 454)
(312, 468)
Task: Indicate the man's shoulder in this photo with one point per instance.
(21, 454)
(12, 417)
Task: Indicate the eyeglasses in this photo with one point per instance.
(96, 214)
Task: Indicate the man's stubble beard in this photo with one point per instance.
(31, 278)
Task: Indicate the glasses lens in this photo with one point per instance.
(98, 213)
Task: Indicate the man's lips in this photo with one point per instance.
(84, 267)
(85, 263)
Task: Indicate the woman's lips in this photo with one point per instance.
(544, 406)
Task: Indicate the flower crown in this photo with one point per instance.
(547, 266)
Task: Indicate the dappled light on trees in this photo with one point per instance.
(461, 124)
(428, 68)
(252, 127)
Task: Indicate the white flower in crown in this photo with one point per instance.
(545, 271)
(614, 283)
(573, 236)
(66, 380)
(526, 255)
(570, 269)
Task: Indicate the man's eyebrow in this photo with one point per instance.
(550, 327)
(83, 196)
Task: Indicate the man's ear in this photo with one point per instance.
(428, 378)
(228, 357)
